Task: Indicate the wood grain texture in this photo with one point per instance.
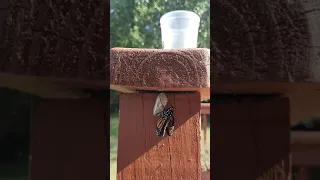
(160, 69)
(304, 105)
(265, 42)
(305, 148)
(273, 149)
(305, 137)
(142, 155)
(242, 143)
(56, 39)
(305, 154)
(303, 173)
(69, 140)
(205, 108)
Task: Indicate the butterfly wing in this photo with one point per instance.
(162, 124)
(170, 127)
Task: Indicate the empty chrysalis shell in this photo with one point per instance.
(161, 102)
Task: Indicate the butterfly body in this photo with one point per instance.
(165, 123)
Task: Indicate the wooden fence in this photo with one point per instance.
(304, 147)
(205, 111)
(305, 152)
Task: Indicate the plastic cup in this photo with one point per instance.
(179, 29)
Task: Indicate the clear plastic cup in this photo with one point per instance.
(179, 29)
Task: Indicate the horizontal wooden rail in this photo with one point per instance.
(205, 111)
(205, 108)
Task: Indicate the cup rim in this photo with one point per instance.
(187, 14)
(178, 30)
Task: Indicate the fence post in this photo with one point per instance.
(251, 138)
(68, 140)
(141, 154)
(205, 111)
(303, 173)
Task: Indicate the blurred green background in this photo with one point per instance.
(133, 23)
(136, 24)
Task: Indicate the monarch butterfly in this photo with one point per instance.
(166, 120)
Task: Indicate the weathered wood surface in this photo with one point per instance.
(265, 46)
(157, 69)
(205, 111)
(305, 137)
(67, 41)
(304, 105)
(69, 140)
(242, 142)
(205, 108)
(142, 155)
(305, 154)
(303, 174)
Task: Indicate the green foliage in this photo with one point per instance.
(206, 101)
(136, 24)
(114, 101)
(312, 124)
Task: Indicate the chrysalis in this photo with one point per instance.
(165, 122)
(160, 104)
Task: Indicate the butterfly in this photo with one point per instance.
(166, 121)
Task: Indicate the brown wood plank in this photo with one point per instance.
(205, 108)
(33, 55)
(242, 143)
(185, 147)
(305, 137)
(265, 41)
(160, 68)
(232, 151)
(152, 163)
(204, 120)
(271, 119)
(304, 105)
(305, 154)
(303, 173)
(68, 140)
(143, 155)
(205, 92)
(137, 138)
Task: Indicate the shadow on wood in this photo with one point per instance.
(144, 155)
(69, 140)
(250, 139)
(305, 154)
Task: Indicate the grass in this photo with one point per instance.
(205, 149)
(113, 146)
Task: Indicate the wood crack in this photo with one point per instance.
(82, 60)
(61, 44)
(40, 22)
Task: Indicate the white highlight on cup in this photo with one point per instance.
(179, 29)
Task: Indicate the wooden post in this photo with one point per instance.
(306, 154)
(204, 128)
(69, 140)
(303, 173)
(205, 110)
(250, 139)
(141, 154)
